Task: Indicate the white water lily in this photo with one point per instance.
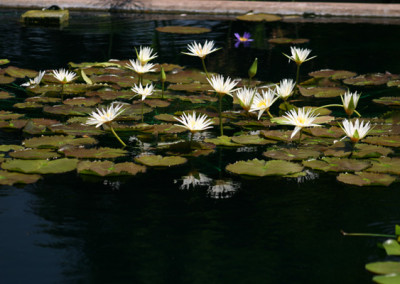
(299, 55)
(35, 81)
(140, 69)
(105, 115)
(145, 54)
(350, 101)
(356, 131)
(245, 97)
(285, 88)
(300, 118)
(222, 86)
(194, 123)
(196, 49)
(263, 102)
(143, 91)
(64, 76)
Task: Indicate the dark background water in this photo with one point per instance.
(149, 229)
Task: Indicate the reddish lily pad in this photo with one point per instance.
(108, 168)
(7, 115)
(67, 110)
(388, 101)
(6, 95)
(386, 165)
(322, 92)
(292, 154)
(34, 154)
(198, 99)
(28, 105)
(366, 179)
(166, 117)
(75, 129)
(285, 40)
(328, 164)
(41, 166)
(259, 17)
(251, 140)
(369, 79)
(160, 161)
(57, 141)
(333, 132)
(390, 141)
(46, 100)
(95, 153)
(361, 151)
(111, 95)
(82, 101)
(125, 82)
(38, 125)
(262, 168)
(333, 74)
(191, 88)
(280, 135)
(165, 128)
(189, 76)
(10, 178)
(4, 80)
(183, 30)
(156, 103)
(13, 124)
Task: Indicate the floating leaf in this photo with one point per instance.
(28, 105)
(333, 74)
(388, 101)
(20, 73)
(392, 247)
(108, 168)
(10, 178)
(384, 267)
(82, 101)
(328, 164)
(34, 154)
(251, 140)
(5, 95)
(182, 30)
(361, 151)
(164, 128)
(46, 100)
(57, 141)
(191, 88)
(165, 117)
(7, 148)
(280, 135)
(332, 132)
(285, 40)
(369, 79)
(222, 141)
(321, 92)
(38, 125)
(75, 129)
(108, 95)
(366, 179)
(123, 81)
(385, 165)
(95, 153)
(13, 124)
(259, 17)
(86, 78)
(292, 154)
(189, 76)
(156, 103)
(93, 64)
(387, 279)
(160, 161)
(41, 166)
(4, 61)
(262, 168)
(7, 115)
(67, 110)
(390, 141)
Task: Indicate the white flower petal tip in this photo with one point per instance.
(194, 123)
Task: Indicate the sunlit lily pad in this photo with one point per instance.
(46, 100)
(76, 129)
(160, 161)
(41, 166)
(386, 165)
(125, 82)
(57, 141)
(390, 141)
(387, 279)
(165, 128)
(366, 179)
(292, 154)
(333, 132)
(285, 40)
(94, 153)
(321, 92)
(81, 101)
(20, 73)
(34, 154)
(7, 148)
(259, 17)
(108, 168)
(38, 125)
(13, 124)
(134, 110)
(28, 105)
(333, 74)
(157, 103)
(5, 95)
(4, 61)
(391, 247)
(251, 140)
(111, 95)
(183, 30)
(280, 135)
(166, 117)
(191, 88)
(11, 178)
(222, 141)
(328, 164)
(93, 64)
(262, 168)
(361, 151)
(7, 115)
(198, 99)
(383, 267)
(388, 101)
(369, 79)
(67, 110)
(189, 76)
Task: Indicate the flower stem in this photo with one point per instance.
(367, 235)
(220, 116)
(142, 111)
(162, 90)
(205, 69)
(332, 105)
(300, 133)
(297, 74)
(62, 92)
(249, 82)
(270, 115)
(116, 136)
(359, 115)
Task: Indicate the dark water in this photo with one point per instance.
(152, 228)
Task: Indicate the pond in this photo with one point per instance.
(159, 226)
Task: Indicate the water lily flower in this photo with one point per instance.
(145, 54)
(263, 102)
(285, 88)
(222, 86)
(140, 69)
(245, 39)
(299, 55)
(300, 118)
(356, 131)
(64, 76)
(194, 123)
(350, 101)
(245, 97)
(106, 116)
(143, 91)
(35, 81)
(196, 49)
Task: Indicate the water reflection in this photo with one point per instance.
(223, 188)
(194, 179)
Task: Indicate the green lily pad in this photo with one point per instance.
(251, 140)
(285, 40)
(191, 88)
(387, 279)
(67, 110)
(385, 165)
(390, 141)
(198, 99)
(111, 95)
(5, 80)
(93, 64)
(81, 101)
(189, 76)
(292, 154)
(38, 125)
(7, 115)
(366, 179)
(321, 92)
(41, 166)
(361, 151)
(183, 30)
(393, 83)
(333, 74)
(332, 132)
(4, 61)
(259, 18)
(262, 168)
(10, 178)
(108, 168)
(280, 135)
(6, 95)
(388, 101)
(13, 124)
(222, 141)
(375, 79)
(392, 247)
(328, 164)
(20, 73)
(57, 141)
(94, 153)
(45, 100)
(156, 103)
(125, 82)
(134, 110)
(34, 154)
(28, 105)
(383, 267)
(164, 128)
(166, 117)
(75, 129)
(7, 148)
(160, 161)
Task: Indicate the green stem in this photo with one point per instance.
(162, 90)
(300, 133)
(205, 69)
(359, 115)
(62, 92)
(332, 105)
(367, 235)
(115, 134)
(249, 82)
(270, 115)
(141, 79)
(220, 116)
(142, 110)
(297, 74)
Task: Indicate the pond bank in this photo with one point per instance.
(217, 7)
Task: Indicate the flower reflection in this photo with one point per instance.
(245, 39)
(114, 185)
(308, 176)
(223, 189)
(193, 180)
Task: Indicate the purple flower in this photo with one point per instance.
(245, 39)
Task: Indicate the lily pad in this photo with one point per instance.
(191, 88)
(198, 99)
(93, 64)
(164, 128)
(262, 168)
(292, 154)
(67, 110)
(328, 164)
(222, 141)
(4, 61)
(38, 125)
(388, 101)
(383, 267)
(156, 103)
(259, 17)
(46, 100)
(95, 153)
(387, 279)
(7, 115)
(5, 95)
(392, 247)
(361, 151)
(57, 141)
(321, 92)
(10, 178)
(332, 132)
(285, 40)
(385, 165)
(366, 179)
(20, 73)
(125, 81)
(34, 154)
(183, 30)
(75, 129)
(251, 140)
(166, 117)
(41, 166)
(280, 135)
(82, 101)
(375, 79)
(28, 105)
(111, 95)
(160, 161)
(108, 168)
(7, 148)
(333, 74)
(4, 80)
(13, 124)
(390, 141)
